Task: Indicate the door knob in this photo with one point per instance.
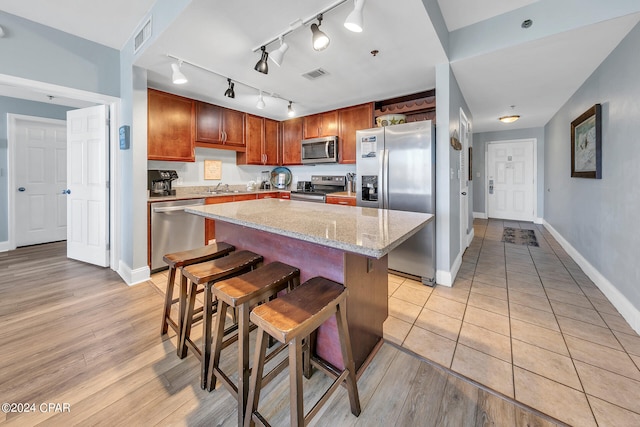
(21, 189)
(67, 191)
(464, 193)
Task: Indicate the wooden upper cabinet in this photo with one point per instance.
(208, 123)
(351, 120)
(233, 127)
(291, 137)
(271, 142)
(219, 126)
(323, 124)
(169, 127)
(261, 136)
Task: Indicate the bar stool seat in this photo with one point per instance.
(242, 292)
(176, 261)
(289, 319)
(207, 274)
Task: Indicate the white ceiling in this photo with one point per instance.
(535, 71)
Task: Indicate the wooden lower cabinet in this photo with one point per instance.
(273, 195)
(284, 195)
(209, 224)
(339, 200)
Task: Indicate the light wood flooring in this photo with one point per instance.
(76, 334)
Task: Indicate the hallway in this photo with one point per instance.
(527, 322)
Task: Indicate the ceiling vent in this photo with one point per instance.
(314, 74)
(142, 36)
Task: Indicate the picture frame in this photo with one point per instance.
(586, 144)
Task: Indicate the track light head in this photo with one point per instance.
(355, 20)
(290, 111)
(319, 39)
(177, 76)
(260, 105)
(278, 55)
(230, 93)
(262, 66)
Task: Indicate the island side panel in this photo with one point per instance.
(367, 308)
(367, 299)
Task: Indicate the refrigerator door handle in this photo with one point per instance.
(385, 179)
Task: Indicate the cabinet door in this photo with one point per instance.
(312, 126)
(233, 127)
(208, 123)
(271, 142)
(267, 195)
(329, 125)
(169, 127)
(351, 120)
(254, 139)
(242, 197)
(291, 137)
(210, 224)
(284, 195)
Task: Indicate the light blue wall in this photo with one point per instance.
(480, 141)
(450, 101)
(36, 52)
(599, 218)
(28, 108)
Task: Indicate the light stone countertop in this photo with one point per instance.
(365, 231)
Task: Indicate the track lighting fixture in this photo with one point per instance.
(278, 55)
(319, 39)
(260, 105)
(354, 21)
(262, 66)
(290, 111)
(230, 93)
(177, 77)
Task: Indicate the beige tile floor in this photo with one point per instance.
(527, 322)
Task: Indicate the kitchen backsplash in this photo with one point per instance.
(192, 174)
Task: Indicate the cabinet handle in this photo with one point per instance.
(342, 203)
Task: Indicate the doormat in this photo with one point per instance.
(519, 236)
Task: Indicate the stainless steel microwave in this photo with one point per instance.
(320, 150)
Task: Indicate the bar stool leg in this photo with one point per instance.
(347, 357)
(295, 382)
(168, 302)
(206, 334)
(218, 331)
(243, 360)
(187, 322)
(256, 377)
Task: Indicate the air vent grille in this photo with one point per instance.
(142, 37)
(314, 74)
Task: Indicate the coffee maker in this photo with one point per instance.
(159, 182)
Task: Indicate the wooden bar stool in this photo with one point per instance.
(289, 319)
(243, 292)
(207, 274)
(176, 261)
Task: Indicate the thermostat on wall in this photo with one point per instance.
(125, 137)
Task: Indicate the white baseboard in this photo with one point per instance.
(538, 221)
(470, 236)
(446, 278)
(619, 301)
(480, 215)
(5, 246)
(133, 277)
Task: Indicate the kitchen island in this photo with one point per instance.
(346, 244)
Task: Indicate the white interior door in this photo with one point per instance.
(510, 180)
(87, 185)
(40, 177)
(464, 180)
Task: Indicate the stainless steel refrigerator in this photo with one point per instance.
(395, 168)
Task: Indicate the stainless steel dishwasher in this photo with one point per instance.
(174, 230)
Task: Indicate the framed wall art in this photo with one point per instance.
(586, 144)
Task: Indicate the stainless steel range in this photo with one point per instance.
(319, 186)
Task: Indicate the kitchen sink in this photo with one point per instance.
(213, 193)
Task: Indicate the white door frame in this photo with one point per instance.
(534, 143)
(114, 161)
(464, 171)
